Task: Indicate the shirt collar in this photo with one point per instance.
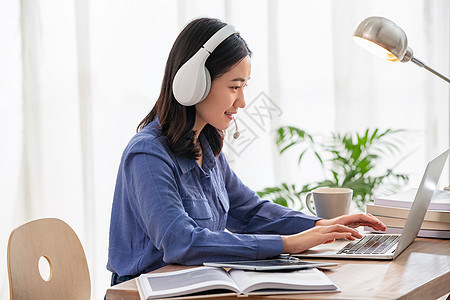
(185, 164)
(209, 161)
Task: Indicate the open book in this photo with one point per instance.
(210, 281)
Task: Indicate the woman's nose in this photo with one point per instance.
(240, 101)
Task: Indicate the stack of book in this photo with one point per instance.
(393, 211)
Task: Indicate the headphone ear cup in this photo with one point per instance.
(192, 81)
(208, 84)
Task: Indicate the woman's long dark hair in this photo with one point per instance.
(177, 121)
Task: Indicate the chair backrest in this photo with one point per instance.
(58, 243)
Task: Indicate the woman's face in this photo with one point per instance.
(225, 97)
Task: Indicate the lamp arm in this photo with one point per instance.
(421, 64)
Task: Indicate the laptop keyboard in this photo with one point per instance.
(370, 244)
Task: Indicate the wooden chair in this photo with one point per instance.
(54, 240)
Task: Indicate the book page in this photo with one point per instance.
(301, 280)
(397, 212)
(185, 282)
(439, 201)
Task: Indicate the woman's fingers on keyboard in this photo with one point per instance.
(344, 229)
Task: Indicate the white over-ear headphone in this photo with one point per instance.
(192, 81)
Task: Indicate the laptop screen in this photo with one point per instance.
(423, 197)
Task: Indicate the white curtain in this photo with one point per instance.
(76, 77)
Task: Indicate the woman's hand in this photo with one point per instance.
(354, 221)
(326, 231)
(317, 235)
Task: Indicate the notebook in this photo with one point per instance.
(388, 246)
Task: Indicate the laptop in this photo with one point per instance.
(387, 246)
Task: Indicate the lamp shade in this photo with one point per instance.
(384, 38)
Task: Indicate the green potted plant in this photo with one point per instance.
(348, 160)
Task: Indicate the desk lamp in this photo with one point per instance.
(384, 38)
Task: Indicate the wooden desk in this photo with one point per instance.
(422, 271)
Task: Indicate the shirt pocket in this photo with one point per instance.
(197, 209)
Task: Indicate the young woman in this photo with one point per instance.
(176, 194)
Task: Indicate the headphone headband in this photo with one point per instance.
(192, 81)
(219, 37)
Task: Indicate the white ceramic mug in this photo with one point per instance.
(330, 202)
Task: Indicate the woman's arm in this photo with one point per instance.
(249, 214)
(299, 232)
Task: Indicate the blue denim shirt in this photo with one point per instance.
(167, 209)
